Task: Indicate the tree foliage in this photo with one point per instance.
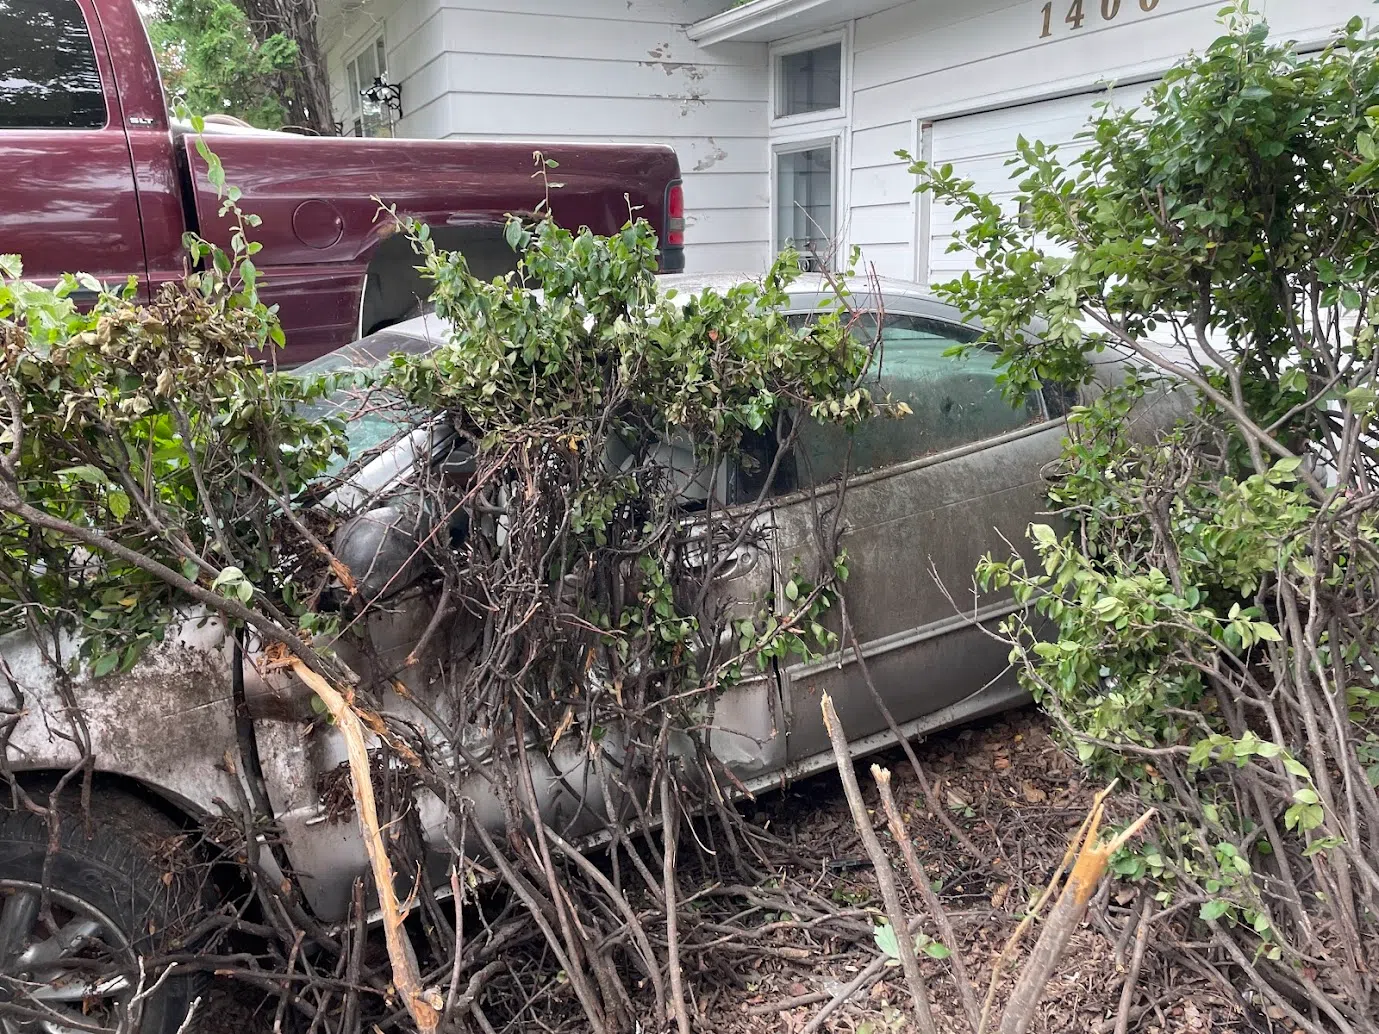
(1212, 590)
(149, 452)
(212, 62)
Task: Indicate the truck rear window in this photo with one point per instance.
(48, 76)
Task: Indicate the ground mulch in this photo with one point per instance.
(1018, 797)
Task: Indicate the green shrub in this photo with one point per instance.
(1212, 593)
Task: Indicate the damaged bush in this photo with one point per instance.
(615, 447)
(1212, 592)
(554, 635)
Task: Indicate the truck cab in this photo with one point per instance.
(87, 178)
(95, 177)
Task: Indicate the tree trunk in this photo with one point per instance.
(306, 93)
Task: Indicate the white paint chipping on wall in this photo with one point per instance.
(589, 70)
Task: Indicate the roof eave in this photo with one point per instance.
(750, 21)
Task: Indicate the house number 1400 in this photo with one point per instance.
(1075, 16)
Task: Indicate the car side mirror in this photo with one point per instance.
(460, 462)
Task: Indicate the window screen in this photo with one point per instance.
(809, 81)
(48, 76)
(955, 401)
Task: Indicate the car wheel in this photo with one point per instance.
(112, 897)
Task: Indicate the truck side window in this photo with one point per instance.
(48, 75)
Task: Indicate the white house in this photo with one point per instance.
(786, 114)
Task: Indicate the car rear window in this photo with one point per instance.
(48, 76)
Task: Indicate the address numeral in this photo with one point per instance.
(1077, 17)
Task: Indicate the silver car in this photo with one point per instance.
(196, 730)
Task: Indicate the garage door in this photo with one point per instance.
(978, 146)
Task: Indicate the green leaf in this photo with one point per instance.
(1214, 909)
(228, 576)
(1296, 767)
(1361, 396)
(885, 938)
(1108, 607)
(118, 502)
(1293, 380)
(85, 472)
(935, 950)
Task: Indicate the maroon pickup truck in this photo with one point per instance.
(96, 177)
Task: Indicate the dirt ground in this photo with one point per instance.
(1016, 795)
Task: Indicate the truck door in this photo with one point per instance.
(67, 195)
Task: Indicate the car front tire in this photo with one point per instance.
(116, 891)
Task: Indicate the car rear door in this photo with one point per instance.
(927, 495)
(67, 192)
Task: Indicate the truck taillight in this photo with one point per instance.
(675, 215)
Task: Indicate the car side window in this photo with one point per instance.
(955, 401)
(48, 74)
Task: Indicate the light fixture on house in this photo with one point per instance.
(385, 94)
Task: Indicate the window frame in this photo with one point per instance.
(840, 36)
(96, 43)
(377, 44)
(833, 140)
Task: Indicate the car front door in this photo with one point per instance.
(917, 500)
(67, 194)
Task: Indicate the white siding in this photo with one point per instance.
(935, 60)
(882, 204)
(606, 70)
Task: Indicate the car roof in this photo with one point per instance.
(805, 283)
(914, 297)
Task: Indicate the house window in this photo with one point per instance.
(809, 81)
(366, 117)
(805, 199)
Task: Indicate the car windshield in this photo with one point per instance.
(374, 426)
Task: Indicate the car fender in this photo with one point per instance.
(167, 723)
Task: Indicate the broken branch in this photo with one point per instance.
(885, 879)
(423, 1011)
